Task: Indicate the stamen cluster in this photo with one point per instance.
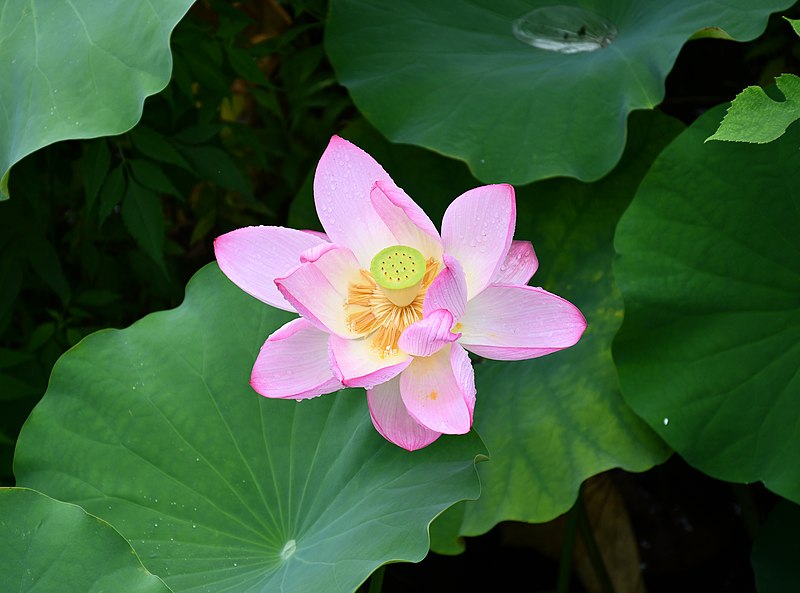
(371, 313)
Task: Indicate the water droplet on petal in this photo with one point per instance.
(564, 29)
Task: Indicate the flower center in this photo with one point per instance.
(382, 313)
(399, 271)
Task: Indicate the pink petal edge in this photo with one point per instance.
(434, 395)
(448, 290)
(511, 322)
(406, 220)
(252, 257)
(356, 364)
(429, 335)
(344, 178)
(293, 363)
(318, 288)
(519, 266)
(477, 230)
(392, 421)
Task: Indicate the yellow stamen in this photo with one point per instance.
(372, 314)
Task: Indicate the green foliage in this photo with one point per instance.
(755, 117)
(154, 429)
(531, 410)
(709, 270)
(451, 76)
(76, 71)
(101, 232)
(528, 411)
(49, 546)
(216, 485)
(795, 23)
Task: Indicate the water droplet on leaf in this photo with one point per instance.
(564, 29)
(288, 549)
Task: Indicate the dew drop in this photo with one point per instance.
(564, 29)
(289, 549)
(666, 421)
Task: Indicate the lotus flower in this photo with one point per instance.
(389, 304)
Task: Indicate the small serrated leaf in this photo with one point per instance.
(795, 23)
(755, 117)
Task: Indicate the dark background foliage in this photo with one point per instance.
(101, 232)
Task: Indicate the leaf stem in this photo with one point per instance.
(592, 551)
(567, 548)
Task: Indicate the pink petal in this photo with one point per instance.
(518, 322)
(407, 221)
(448, 290)
(342, 184)
(318, 288)
(519, 266)
(429, 335)
(464, 375)
(252, 257)
(319, 234)
(357, 364)
(316, 252)
(477, 229)
(293, 363)
(435, 395)
(391, 419)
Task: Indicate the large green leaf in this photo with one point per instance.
(552, 422)
(49, 546)
(155, 429)
(451, 76)
(78, 69)
(709, 268)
